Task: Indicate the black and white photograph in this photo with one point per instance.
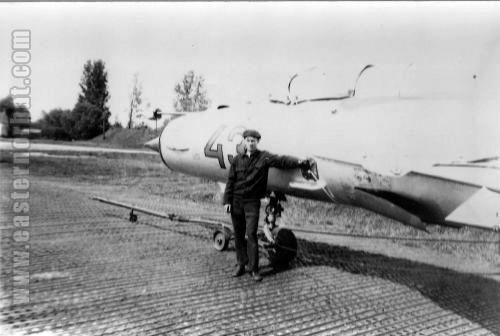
(250, 168)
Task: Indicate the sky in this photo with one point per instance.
(247, 51)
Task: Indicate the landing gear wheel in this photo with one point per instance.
(285, 248)
(221, 240)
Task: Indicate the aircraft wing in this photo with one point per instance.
(481, 209)
(455, 194)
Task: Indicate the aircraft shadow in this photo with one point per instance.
(471, 296)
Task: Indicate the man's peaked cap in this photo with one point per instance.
(252, 133)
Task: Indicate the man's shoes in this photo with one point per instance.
(256, 276)
(240, 270)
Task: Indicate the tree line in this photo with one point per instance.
(90, 115)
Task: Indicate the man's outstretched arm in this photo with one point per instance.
(288, 162)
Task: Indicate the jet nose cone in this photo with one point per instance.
(153, 144)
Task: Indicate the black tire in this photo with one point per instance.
(221, 240)
(285, 249)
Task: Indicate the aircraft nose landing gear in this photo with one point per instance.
(279, 243)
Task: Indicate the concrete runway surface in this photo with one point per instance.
(92, 272)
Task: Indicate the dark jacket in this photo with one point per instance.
(247, 177)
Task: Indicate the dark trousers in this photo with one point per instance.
(245, 218)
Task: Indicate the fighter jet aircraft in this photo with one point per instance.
(416, 160)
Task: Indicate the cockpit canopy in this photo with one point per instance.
(298, 92)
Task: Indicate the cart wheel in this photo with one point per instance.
(221, 240)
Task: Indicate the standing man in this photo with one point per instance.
(246, 185)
